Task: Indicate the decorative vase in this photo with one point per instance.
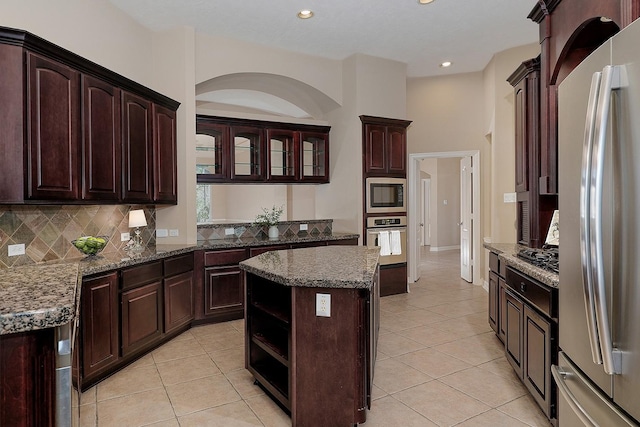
(273, 232)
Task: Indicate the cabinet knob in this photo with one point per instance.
(523, 287)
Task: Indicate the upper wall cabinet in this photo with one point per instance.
(236, 150)
(384, 146)
(76, 132)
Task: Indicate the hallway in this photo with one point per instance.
(439, 364)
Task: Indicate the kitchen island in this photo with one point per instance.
(311, 327)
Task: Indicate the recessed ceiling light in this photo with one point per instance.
(305, 14)
(424, 1)
(446, 64)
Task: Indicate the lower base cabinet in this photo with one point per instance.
(141, 317)
(27, 379)
(299, 358)
(531, 332)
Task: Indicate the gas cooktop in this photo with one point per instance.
(546, 258)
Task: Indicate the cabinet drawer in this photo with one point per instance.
(229, 257)
(262, 249)
(533, 291)
(496, 265)
(178, 264)
(141, 274)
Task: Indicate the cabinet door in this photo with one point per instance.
(522, 137)
(212, 151)
(224, 290)
(137, 144)
(101, 157)
(53, 136)
(178, 301)
(282, 155)
(493, 301)
(165, 169)
(375, 150)
(141, 317)
(314, 157)
(247, 153)
(502, 308)
(537, 358)
(514, 332)
(99, 324)
(396, 150)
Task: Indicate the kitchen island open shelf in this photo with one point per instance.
(319, 369)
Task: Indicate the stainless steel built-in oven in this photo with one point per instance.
(386, 195)
(390, 234)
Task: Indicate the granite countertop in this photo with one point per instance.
(507, 253)
(321, 267)
(38, 297)
(46, 295)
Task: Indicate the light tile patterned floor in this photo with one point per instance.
(439, 364)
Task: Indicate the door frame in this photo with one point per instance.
(426, 212)
(413, 214)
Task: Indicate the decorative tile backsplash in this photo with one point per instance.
(47, 231)
(246, 230)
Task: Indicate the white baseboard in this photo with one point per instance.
(443, 248)
(485, 286)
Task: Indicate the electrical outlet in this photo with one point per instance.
(323, 305)
(161, 232)
(509, 197)
(174, 232)
(125, 237)
(230, 231)
(13, 250)
(304, 227)
(445, 202)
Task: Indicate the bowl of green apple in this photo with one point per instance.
(90, 245)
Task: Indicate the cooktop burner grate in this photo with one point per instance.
(546, 258)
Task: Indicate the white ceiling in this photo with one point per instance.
(466, 32)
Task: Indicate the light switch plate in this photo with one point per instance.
(161, 232)
(14, 250)
(125, 237)
(304, 227)
(323, 305)
(174, 232)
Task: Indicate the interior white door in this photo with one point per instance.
(426, 212)
(466, 219)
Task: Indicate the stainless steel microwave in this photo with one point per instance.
(386, 195)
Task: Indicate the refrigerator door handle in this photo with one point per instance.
(585, 224)
(559, 375)
(610, 81)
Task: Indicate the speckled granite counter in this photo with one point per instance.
(38, 297)
(322, 267)
(507, 253)
(46, 295)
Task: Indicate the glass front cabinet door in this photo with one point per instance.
(211, 149)
(282, 155)
(247, 153)
(314, 154)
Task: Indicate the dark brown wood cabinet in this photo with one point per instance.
(137, 149)
(384, 146)
(497, 296)
(101, 147)
(142, 306)
(224, 284)
(27, 370)
(53, 123)
(75, 132)
(179, 287)
(513, 344)
(165, 156)
(297, 356)
(531, 334)
(241, 150)
(494, 302)
(99, 325)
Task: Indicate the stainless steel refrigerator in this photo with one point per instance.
(598, 370)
